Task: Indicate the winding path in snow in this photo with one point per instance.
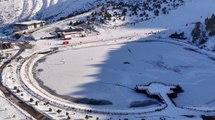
(16, 100)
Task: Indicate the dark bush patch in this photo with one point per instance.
(91, 101)
(126, 62)
(142, 103)
(178, 36)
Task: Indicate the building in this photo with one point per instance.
(28, 25)
(68, 34)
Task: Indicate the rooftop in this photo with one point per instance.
(70, 30)
(30, 22)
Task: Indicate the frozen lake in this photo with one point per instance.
(108, 72)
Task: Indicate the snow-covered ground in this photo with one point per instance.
(161, 67)
(101, 63)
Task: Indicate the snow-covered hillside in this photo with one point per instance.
(19, 10)
(131, 47)
(51, 10)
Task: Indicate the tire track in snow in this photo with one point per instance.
(117, 85)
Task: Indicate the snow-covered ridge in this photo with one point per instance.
(19, 10)
(51, 10)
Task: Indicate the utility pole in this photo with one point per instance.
(1, 55)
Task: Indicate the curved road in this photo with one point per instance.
(13, 98)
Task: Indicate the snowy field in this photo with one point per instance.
(111, 72)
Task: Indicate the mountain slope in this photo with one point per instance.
(18, 10)
(52, 10)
